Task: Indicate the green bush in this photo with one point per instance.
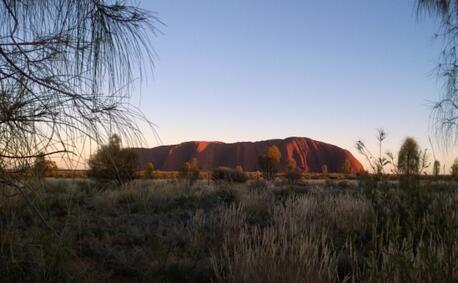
(111, 162)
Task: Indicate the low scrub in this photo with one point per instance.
(229, 175)
(164, 231)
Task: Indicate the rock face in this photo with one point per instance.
(309, 154)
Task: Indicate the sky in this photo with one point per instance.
(333, 71)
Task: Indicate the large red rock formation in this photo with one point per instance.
(309, 154)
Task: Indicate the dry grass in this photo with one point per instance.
(166, 231)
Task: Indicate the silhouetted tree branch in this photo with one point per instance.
(66, 69)
(445, 111)
(66, 73)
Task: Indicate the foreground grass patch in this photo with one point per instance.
(165, 231)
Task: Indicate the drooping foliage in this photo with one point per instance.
(446, 109)
(67, 68)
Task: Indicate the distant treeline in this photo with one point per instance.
(82, 173)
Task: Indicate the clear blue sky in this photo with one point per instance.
(334, 71)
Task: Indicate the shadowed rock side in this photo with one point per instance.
(309, 154)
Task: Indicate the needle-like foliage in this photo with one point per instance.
(446, 109)
(66, 73)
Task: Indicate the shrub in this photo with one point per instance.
(292, 173)
(221, 173)
(409, 157)
(149, 170)
(454, 169)
(346, 167)
(229, 175)
(293, 176)
(190, 171)
(269, 160)
(113, 162)
(160, 232)
(258, 184)
(169, 175)
(291, 164)
(254, 175)
(324, 170)
(43, 167)
(436, 168)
